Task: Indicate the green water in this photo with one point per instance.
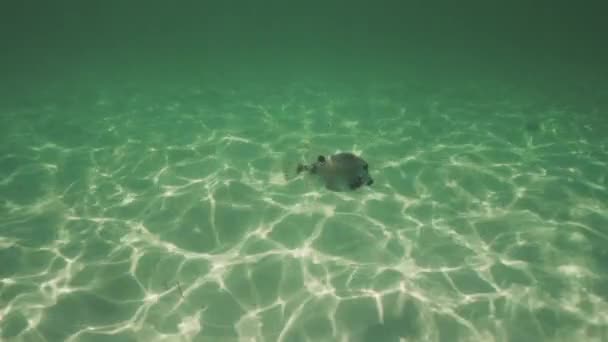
(148, 188)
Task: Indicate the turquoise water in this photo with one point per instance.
(148, 189)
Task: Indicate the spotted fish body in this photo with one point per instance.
(340, 172)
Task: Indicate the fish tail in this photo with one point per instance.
(300, 168)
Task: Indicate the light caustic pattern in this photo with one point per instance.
(135, 217)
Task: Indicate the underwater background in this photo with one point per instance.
(147, 171)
